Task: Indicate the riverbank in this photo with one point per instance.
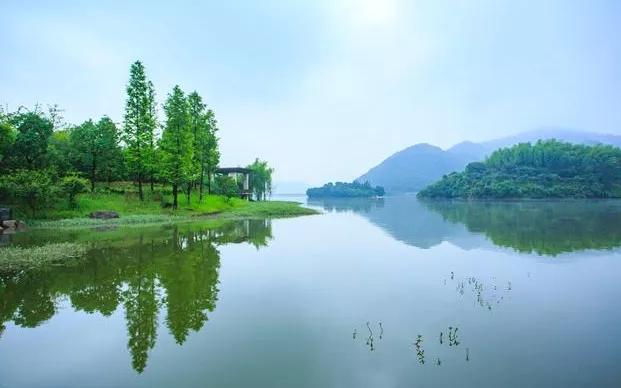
(134, 212)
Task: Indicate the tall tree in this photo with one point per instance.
(203, 127)
(96, 146)
(139, 125)
(176, 143)
(198, 129)
(152, 120)
(210, 152)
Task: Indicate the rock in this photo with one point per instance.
(9, 224)
(5, 214)
(21, 226)
(104, 215)
(8, 231)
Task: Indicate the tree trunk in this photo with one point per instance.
(151, 181)
(209, 182)
(140, 187)
(93, 169)
(201, 184)
(189, 192)
(174, 187)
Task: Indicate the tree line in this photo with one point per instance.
(546, 169)
(345, 190)
(39, 154)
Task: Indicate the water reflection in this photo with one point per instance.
(540, 227)
(545, 228)
(173, 271)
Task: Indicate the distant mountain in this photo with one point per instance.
(419, 165)
(414, 168)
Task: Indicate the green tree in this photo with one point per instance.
(210, 154)
(261, 179)
(33, 189)
(226, 186)
(7, 138)
(203, 127)
(176, 143)
(31, 143)
(97, 147)
(198, 127)
(61, 154)
(139, 125)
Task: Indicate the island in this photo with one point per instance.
(345, 190)
(546, 169)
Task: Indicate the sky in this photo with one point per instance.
(325, 89)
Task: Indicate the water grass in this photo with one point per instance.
(16, 258)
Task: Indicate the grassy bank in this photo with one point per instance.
(132, 211)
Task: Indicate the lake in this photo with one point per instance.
(389, 292)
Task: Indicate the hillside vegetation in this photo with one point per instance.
(345, 190)
(416, 167)
(546, 169)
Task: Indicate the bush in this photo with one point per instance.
(73, 185)
(32, 189)
(226, 185)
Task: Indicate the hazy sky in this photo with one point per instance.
(325, 89)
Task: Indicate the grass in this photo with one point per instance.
(132, 211)
(15, 258)
(267, 209)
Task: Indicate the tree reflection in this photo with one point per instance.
(357, 205)
(174, 270)
(542, 227)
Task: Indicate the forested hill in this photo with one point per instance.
(415, 167)
(546, 169)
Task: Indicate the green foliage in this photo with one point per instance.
(139, 125)
(61, 154)
(7, 138)
(345, 190)
(261, 179)
(176, 144)
(226, 186)
(32, 189)
(96, 148)
(203, 127)
(185, 156)
(543, 170)
(73, 185)
(31, 143)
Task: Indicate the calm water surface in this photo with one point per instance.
(373, 293)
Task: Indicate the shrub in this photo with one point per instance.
(32, 189)
(73, 185)
(226, 185)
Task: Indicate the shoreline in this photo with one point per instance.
(253, 210)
